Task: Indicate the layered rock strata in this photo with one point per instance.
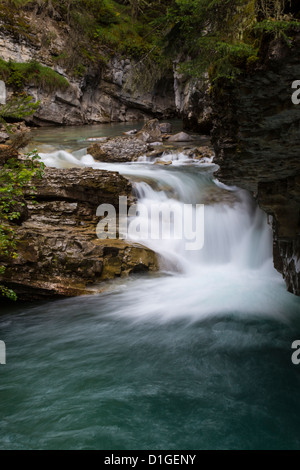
(59, 253)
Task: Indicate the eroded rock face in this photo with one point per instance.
(256, 137)
(102, 95)
(59, 253)
(281, 199)
(193, 103)
(181, 137)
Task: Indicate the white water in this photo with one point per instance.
(233, 273)
(205, 343)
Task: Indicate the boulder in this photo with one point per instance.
(181, 137)
(163, 162)
(200, 152)
(165, 127)
(3, 137)
(151, 132)
(119, 149)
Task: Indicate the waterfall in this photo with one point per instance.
(236, 232)
(205, 342)
(232, 273)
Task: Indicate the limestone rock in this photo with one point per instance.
(181, 137)
(193, 103)
(119, 149)
(163, 162)
(256, 137)
(3, 137)
(165, 127)
(151, 132)
(59, 253)
(2, 92)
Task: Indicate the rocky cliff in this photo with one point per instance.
(107, 90)
(256, 137)
(193, 103)
(59, 253)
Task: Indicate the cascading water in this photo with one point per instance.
(236, 232)
(195, 357)
(233, 273)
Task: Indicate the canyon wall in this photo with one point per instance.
(254, 125)
(106, 92)
(256, 137)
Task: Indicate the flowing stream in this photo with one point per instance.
(197, 356)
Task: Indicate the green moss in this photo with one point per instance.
(252, 60)
(18, 75)
(4, 70)
(224, 37)
(97, 29)
(79, 70)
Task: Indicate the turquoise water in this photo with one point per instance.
(75, 137)
(195, 357)
(80, 375)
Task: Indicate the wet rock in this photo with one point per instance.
(181, 137)
(281, 199)
(3, 137)
(256, 137)
(163, 162)
(127, 149)
(119, 149)
(198, 153)
(153, 154)
(59, 253)
(151, 132)
(165, 127)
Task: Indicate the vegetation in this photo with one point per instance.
(96, 29)
(215, 39)
(17, 108)
(223, 37)
(17, 75)
(15, 176)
